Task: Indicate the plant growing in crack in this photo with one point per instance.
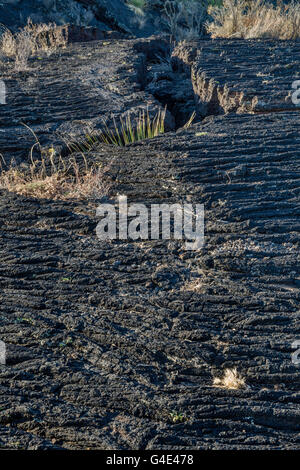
(122, 132)
(177, 417)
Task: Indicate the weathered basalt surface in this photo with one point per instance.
(237, 75)
(101, 14)
(74, 92)
(105, 340)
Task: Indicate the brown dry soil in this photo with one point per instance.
(108, 341)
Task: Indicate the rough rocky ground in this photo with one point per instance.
(101, 14)
(75, 91)
(107, 340)
(252, 76)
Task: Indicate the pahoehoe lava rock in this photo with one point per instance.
(75, 92)
(238, 75)
(102, 14)
(105, 340)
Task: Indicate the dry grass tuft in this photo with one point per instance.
(255, 19)
(53, 177)
(47, 37)
(18, 46)
(32, 40)
(48, 180)
(185, 18)
(57, 185)
(231, 380)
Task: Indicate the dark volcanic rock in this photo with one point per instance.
(102, 14)
(106, 340)
(63, 97)
(240, 76)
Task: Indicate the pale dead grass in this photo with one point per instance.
(57, 178)
(32, 40)
(47, 37)
(231, 380)
(48, 175)
(55, 186)
(255, 19)
(186, 18)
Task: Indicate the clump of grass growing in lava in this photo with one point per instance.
(31, 40)
(124, 132)
(60, 179)
(255, 19)
(50, 176)
(231, 380)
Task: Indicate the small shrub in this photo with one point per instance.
(31, 40)
(255, 19)
(186, 18)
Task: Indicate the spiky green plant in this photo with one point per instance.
(145, 128)
(124, 132)
(137, 3)
(177, 417)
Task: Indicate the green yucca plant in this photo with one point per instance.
(125, 132)
(145, 128)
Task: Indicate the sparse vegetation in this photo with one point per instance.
(32, 40)
(186, 18)
(231, 380)
(54, 180)
(54, 177)
(145, 127)
(125, 131)
(255, 19)
(177, 417)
